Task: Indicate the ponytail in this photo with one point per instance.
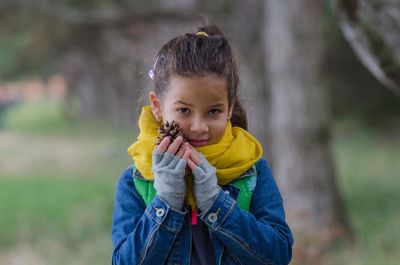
(239, 117)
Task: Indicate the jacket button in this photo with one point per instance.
(160, 212)
(226, 192)
(212, 217)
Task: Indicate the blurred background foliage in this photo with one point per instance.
(61, 152)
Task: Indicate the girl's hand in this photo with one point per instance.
(194, 158)
(169, 164)
(205, 185)
(177, 147)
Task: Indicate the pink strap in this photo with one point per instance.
(194, 216)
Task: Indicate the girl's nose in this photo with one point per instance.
(199, 125)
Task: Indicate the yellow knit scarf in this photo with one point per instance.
(233, 155)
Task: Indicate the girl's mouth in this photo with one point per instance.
(198, 143)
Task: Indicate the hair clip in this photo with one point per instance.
(202, 33)
(152, 72)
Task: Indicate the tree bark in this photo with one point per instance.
(302, 155)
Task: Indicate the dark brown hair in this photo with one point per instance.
(198, 55)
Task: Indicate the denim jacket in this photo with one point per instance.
(157, 234)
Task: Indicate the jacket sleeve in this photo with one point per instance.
(138, 230)
(260, 236)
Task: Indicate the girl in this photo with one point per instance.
(208, 197)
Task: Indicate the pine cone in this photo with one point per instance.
(169, 129)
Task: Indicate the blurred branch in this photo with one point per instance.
(109, 13)
(373, 30)
(44, 29)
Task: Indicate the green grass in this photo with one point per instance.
(57, 181)
(37, 139)
(71, 216)
(73, 210)
(40, 117)
(369, 166)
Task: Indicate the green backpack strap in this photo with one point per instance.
(246, 186)
(145, 188)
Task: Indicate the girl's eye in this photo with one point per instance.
(214, 111)
(183, 110)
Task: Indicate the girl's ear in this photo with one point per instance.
(155, 104)
(230, 111)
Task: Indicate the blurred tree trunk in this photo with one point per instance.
(302, 155)
(247, 38)
(372, 29)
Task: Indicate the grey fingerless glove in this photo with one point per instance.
(169, 182)
(205, 186)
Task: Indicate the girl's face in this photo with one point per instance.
(198, 104)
